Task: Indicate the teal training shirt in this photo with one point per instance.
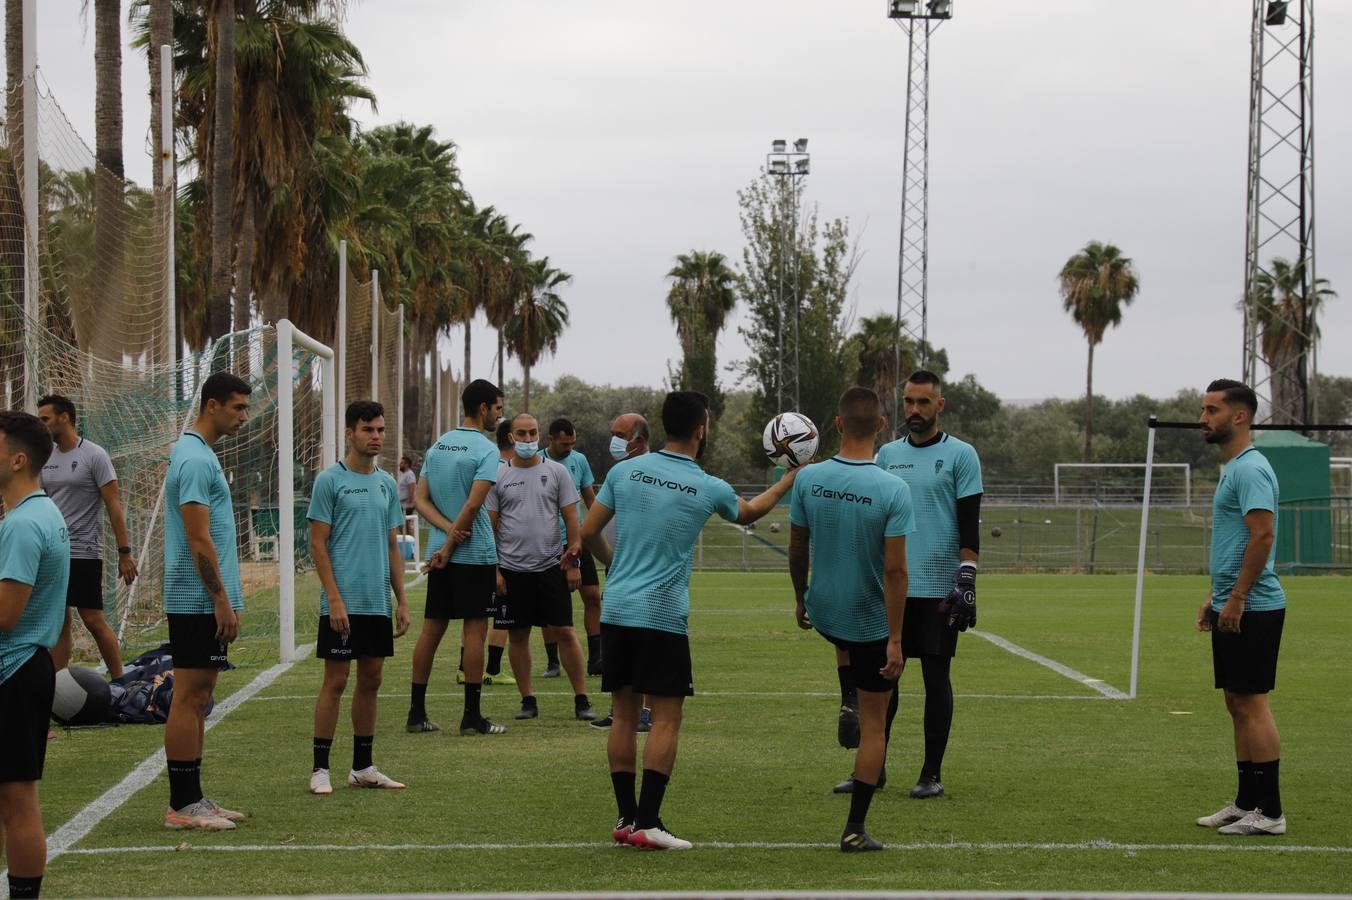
(195, 476)
(939, 474)
(361, 510)
(34, 550)
(661, 501)
(1248, 483)
(580, 471)
(459, 458)
(849, 507)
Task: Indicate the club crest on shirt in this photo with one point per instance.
(544, 479)
(74, 464)
(938, 466)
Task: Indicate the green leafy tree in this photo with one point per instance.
(1286, 309)
(702, 294)
(1096, 284)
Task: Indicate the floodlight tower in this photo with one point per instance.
(1280, 211)
(918, 18)
(789, 167)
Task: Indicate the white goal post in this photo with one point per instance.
(1186, 467)
(288, 339)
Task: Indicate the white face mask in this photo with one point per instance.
(619, 447)
(527, 449)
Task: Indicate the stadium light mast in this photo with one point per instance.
(918, 19)
(1280, 210)
(788, 167)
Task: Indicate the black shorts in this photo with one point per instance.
(367, 636)
(461, 592)
(866, 658)
(85, 589)
(541, 599)
(1246, 662)
(589, 576)
(193, 643)
(26, 709)
(645, 660)
(925, 630)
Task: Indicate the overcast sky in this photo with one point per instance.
(619, 132)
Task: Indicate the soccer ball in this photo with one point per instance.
(774, 528)
(996, 532)
(790, 440)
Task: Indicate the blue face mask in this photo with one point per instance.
(619, 447)
(527, 449)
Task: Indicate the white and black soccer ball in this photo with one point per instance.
(774, 528)
(82, 697)
(790, 440)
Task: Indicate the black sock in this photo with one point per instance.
(24, 887)
(893, 704)
(460, 666)
(623, 782)
(580, 701)
(494, 660)
(361, 751)
(322, 748)
(860, 798)
(184, 785)
(650, 796)
(1246, 796)
(593, 646)
(530, 701)
(938, 711)
(848, 697)
(552, 654)
(197, 778)
(1267, 792)
(472, 694)
(417, 706)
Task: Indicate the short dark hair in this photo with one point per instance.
(1237, 393)
(59, 405)
(925, 376)
(408, 459)
(859, 409)
(683, 412)
(477, 393)
(25, 433)
(221, 386)
(363, 411)
(562, 425)
(504, 434)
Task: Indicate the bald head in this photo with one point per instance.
(628, 436)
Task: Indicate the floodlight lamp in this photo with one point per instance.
(941, 9)
(779, 146)
(800, 145)
(800, 167)
(902, 9)
(779, 167)
(1276, 12)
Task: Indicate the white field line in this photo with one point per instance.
(1098, 684)
(700, 694)
(88, 818)
(990, 846)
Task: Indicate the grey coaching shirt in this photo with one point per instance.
(72, 479)
(527, 502)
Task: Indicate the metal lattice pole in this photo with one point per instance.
(788, 167)
(1279, 349)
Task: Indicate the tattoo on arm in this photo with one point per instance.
(210, 577)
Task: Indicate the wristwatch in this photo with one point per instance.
(124, 550)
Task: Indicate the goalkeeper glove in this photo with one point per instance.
(960, 605)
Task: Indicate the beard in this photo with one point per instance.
(919, 424)
(699, 450)
(1218, 435)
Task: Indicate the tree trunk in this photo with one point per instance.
(161, 32)
(502, 384)
(106, 339)
(469, 326)
(525, 388)
(222, 168)
(1089, 407)
(244, 265)
(11, 214)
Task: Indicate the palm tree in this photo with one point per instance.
(220, 171)
(537, 321)
(1286, 310)
(874, 348)
(11, 215)
(1096, 284)
(702, 294)
(160, 21)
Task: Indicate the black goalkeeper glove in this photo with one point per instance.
(960, 605)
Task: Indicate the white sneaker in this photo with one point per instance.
(1231, 813)
(195, 817)
(371, 777)
(221, 812)
(1256, 823)
(657, 839)
(319, 782)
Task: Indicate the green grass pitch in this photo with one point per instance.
(1050, 787)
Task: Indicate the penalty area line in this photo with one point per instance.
(83, 822)
(1098, 684)
(990, 846)
(701, 694)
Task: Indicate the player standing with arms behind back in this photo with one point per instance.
(202, 594)
(34, 569)
(944, 475)
(848, 522)
(660, 502)
(1246, 609)
(355, 522)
